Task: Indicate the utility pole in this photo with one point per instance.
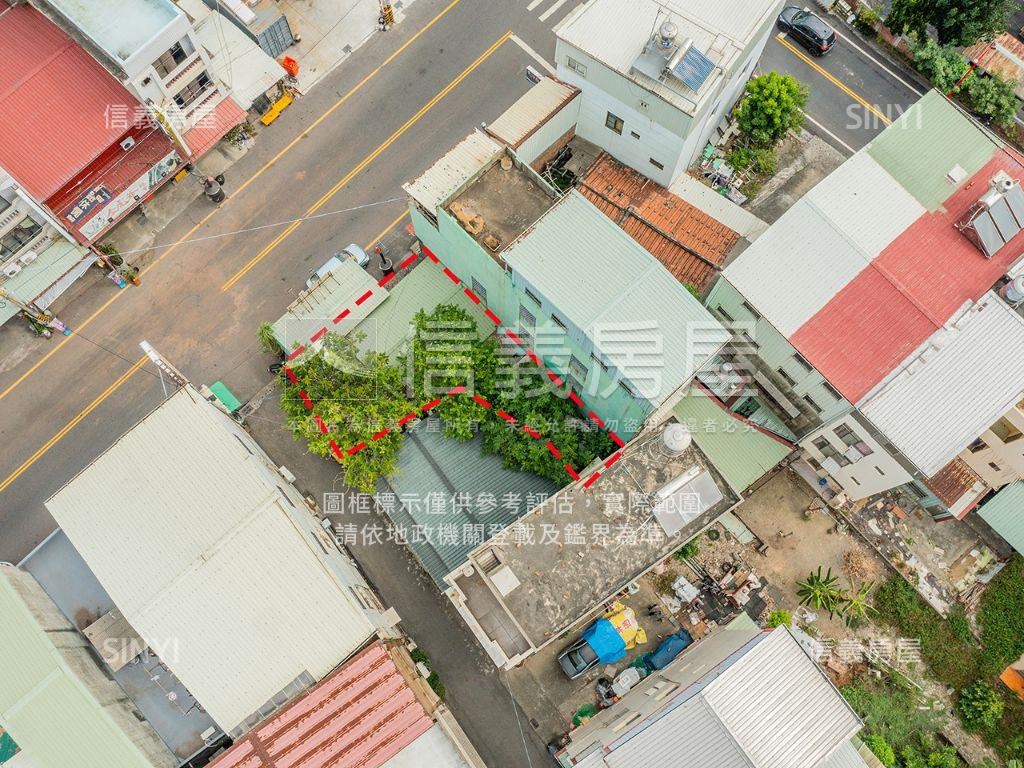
(40, 316)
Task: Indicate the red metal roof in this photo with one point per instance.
(55, 102)
(911, 289)
(689, 243)
(213, 125)
(359, 717)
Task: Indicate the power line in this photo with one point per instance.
(264, 226)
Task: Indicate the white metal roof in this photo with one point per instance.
(635, 312)
(453, 170)
(823, 242)
(531, 110)
(615, 33)
(771, 707)
(967, 376)
(210, 559)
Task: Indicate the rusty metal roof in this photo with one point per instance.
(953, 482)
(59, 109)
(362, 715)
(689, 243)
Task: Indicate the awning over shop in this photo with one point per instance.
(42, 281)
(212, 125)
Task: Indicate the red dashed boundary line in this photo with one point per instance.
(430, 405)
(557, 380)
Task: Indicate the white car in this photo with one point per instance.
(351, 252)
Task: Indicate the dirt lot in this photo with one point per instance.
(797, 545)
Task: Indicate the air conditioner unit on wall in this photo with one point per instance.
(127, 143)
(28, 257)
(12, 269)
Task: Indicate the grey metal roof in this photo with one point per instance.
(530, 111)
(767, 705)
(452, 170)
(608, 286)
(433, 466)
(958, 385)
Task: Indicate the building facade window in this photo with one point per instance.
(173, 57)
(751, 311)
(614, 122)
(190, 93)
(725, 315)
(831, 390)
(577, 369)
(656, 164)
(575, 66)
(599, 361)
(852, 440)
(557, 321)
(634, 134)
(977, 446)
(802, 362)
(479, 290)
(527, 323)
(21, 235)
(810, 401)
(532, 296)
(1005, 430)
(626, 388)
(786, 377)
(826, 449)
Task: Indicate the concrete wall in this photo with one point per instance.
(553, 134)
(776, 353)
(859, 475)
(1007, 456)
(661, 127)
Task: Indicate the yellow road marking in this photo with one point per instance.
(71, 424)
(366, 162)
(358, 86)
(387, 229)
(834, 80)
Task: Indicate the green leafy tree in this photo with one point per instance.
(944, 66)
(855, 605)
(356, 395)
(267, 339)
(993, 98)
(820, 591)
(773, 105)
(881, 749)
(980, 706)
(688, 551)
(957, 22)
(780, 618)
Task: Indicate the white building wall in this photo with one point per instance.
(861, 476)
(999, 458)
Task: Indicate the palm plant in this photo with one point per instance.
(820, 591)
(267, 339)
(855, 605)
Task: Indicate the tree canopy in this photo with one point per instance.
(773, 105)
(957, 22)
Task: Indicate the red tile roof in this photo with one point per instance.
(55, 102)
(360, 717)
(952, 482)
(688, 242)
(213, 125)
(911, 289)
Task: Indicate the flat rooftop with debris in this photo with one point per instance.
(502, 203)
(554, 566)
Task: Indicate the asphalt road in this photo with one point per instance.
(379, 120)
(854, 91)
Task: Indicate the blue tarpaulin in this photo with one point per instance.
(605, 640)
(669, 649)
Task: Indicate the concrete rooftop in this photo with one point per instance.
(560, 582)
(500, 203)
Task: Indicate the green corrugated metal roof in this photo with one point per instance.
(51, 264)
(45, 706)
(389, 326)
(598, 277)
(433, 466)
(739, 451)
(1005, 513)
(925, 143)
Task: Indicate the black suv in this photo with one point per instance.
(807, 29)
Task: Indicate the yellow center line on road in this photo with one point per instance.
(128, 374)
(171, 248)
(366, 161)
(834, 80)
(71, 424)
